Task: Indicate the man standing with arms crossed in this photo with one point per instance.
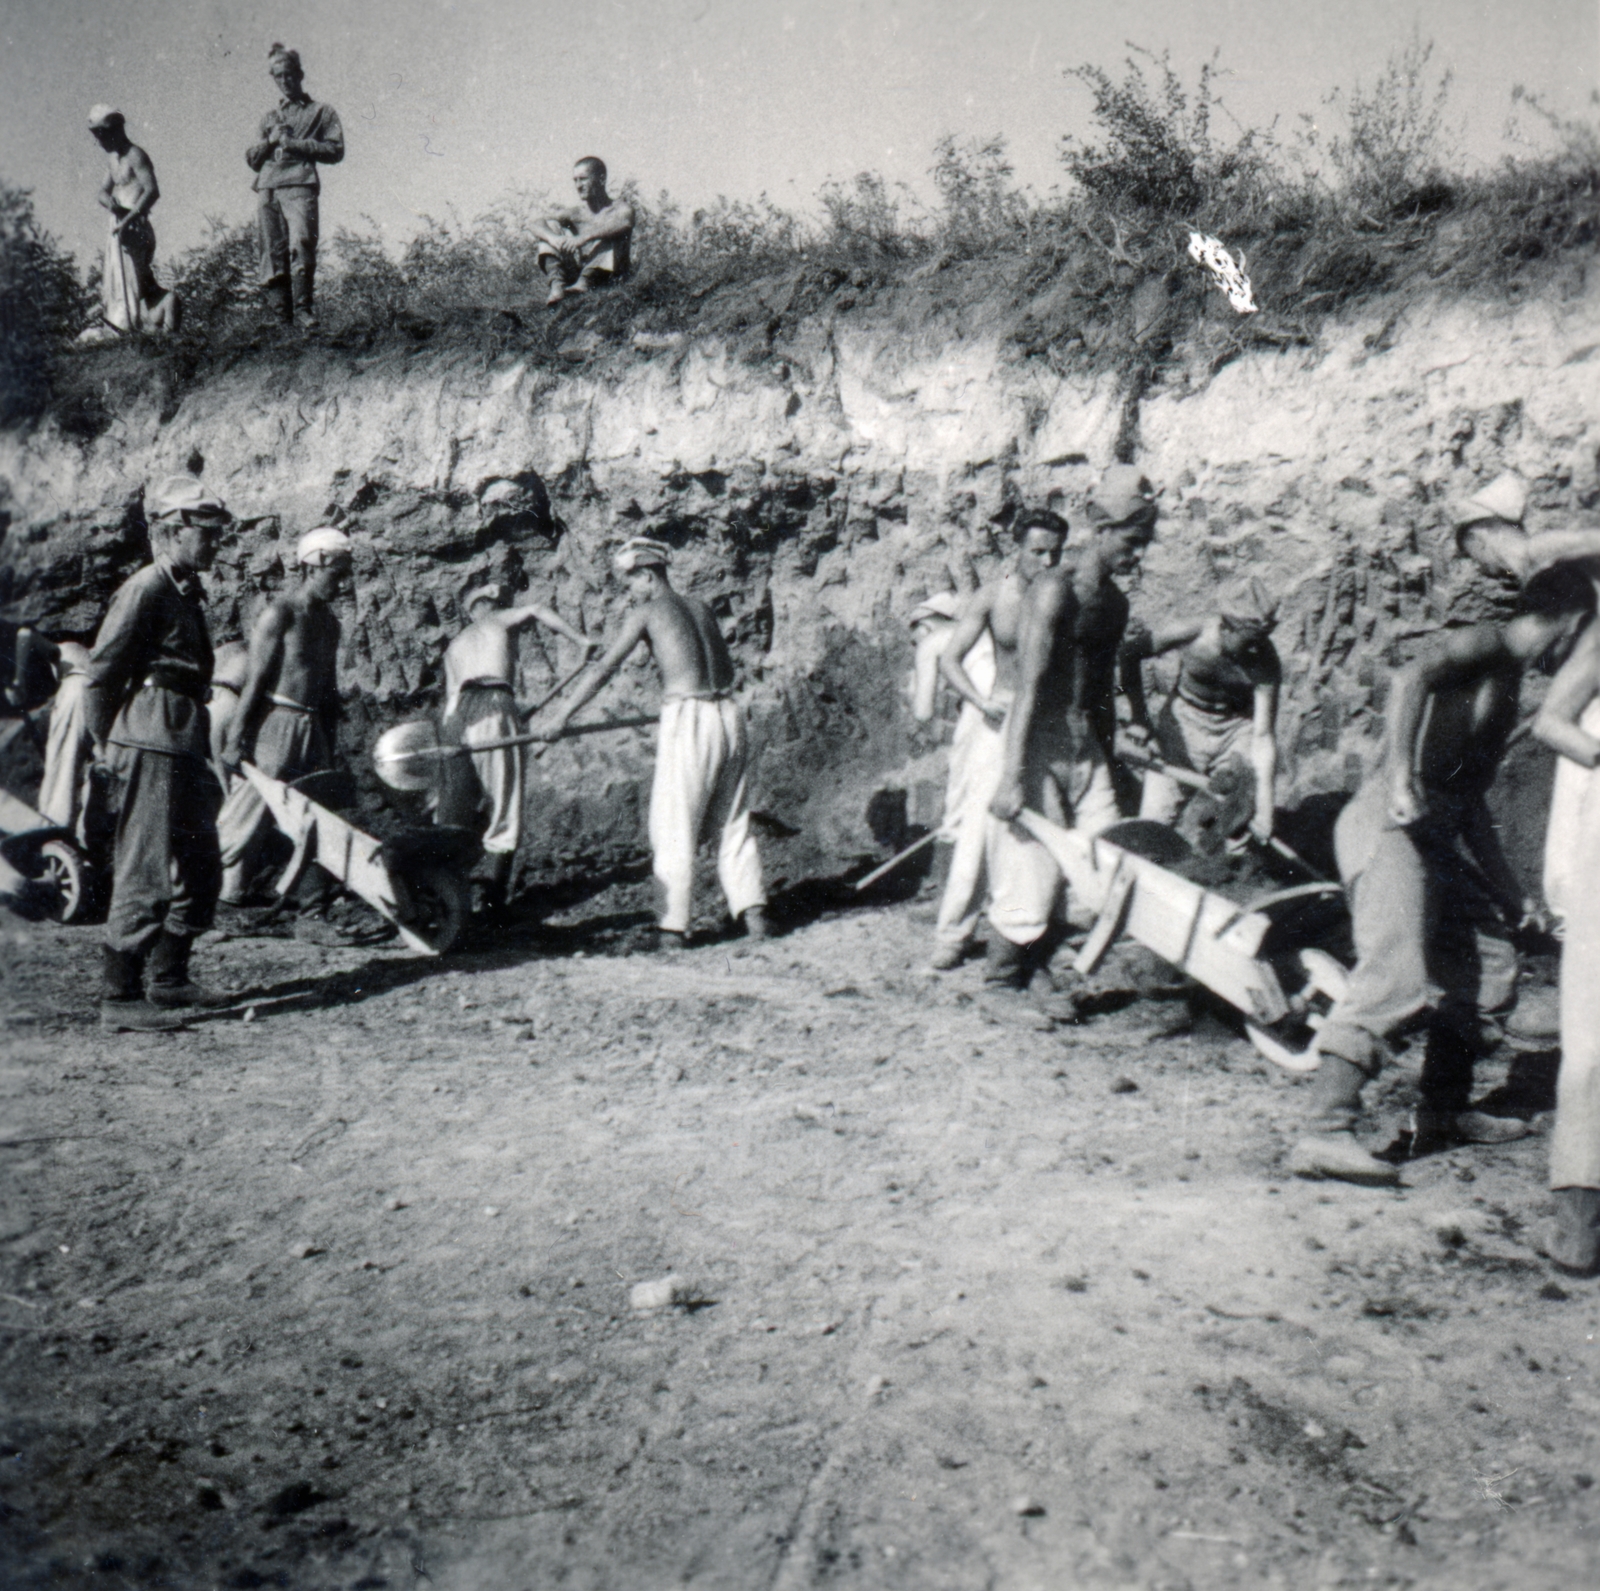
(701, 755)
(288, 708)
(995, 611)
(1059, 728)
(480, 669)
(296, 137)
(149, 671)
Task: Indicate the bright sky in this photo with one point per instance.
(451, 104)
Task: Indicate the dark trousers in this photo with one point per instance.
(166, 868)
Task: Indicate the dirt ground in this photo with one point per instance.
(334, 1290)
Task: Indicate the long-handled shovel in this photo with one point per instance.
(1138, 757)
(401, 752)
(901, 856)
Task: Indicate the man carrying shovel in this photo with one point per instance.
(701, 753)
(480, 705)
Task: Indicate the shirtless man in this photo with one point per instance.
(993, 613)
(1432, 897)
(586, 245)
(131, 298)
(1056, 758)
(285, 717)
(1224, 702)
(699, 787)
(480, 670)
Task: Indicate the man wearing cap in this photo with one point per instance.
(1433, 900)
(1224, 703)
(993, 613)
(148, 671)
(586, 245)
(296, 137)
(1059, 728)
(130, 297)
(701, 756)
(480, 668)
(289, 704)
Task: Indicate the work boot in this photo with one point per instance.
(495, 889)
(123, 1008)
(1534, 1023)
(1572, 1243)
(1006, 971)
(558, 290)
(1337, 1154)
(755, 923)
(168, 981)
(1443, 1129)
(946, 958)
(279, 300)
(671, 939)
(304, 311)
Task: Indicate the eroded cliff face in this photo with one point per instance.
(816, 489)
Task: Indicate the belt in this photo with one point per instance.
(485, 685)
(182, 682)
(289, 702)
(699, 696)
(1212, 710)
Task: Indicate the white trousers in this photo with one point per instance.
(977, 759)
(1067, 780)
(1572, 855)
(66, 752)
(700, 792)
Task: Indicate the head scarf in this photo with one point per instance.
(642, 552)
(941, 605)
(1505, 497)
(103, 116)
(1124, 494)
(1248, 605)
(320, 547)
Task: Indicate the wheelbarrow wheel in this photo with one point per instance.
(442, 901)
(64, 879)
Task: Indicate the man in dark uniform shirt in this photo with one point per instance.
(149, 673)
(296, 138)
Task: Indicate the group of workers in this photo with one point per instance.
(1039, 657)
(579, 248)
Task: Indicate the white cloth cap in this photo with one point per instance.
(941, 605)
(642, 552)
(105, 116)
(321, 546)
(183, 494)
(1505, 497)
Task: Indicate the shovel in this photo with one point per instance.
(400, 750)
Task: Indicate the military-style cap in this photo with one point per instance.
(1505, 497)
(1124, 493)
(183, 494)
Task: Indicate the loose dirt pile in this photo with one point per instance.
(339, 1294)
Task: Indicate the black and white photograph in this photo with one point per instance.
(799, 795)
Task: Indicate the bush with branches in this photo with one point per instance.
(43, 304)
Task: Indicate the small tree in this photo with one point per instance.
(981, 207)
(42, 304)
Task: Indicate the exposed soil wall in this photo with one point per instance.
(817, 484)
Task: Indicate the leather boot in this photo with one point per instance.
(495, 889)
(1006, 971)
(123, 1008)
(1573, 1244)
(755, 922)
(304, 312)
(168, 983)
(279, 301)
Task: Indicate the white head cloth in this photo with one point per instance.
(642, 552)
(321, 546)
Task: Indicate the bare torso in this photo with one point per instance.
(485, 650)
(1080, 678)
(1465, 731)
(687, 645)
(1005, 629)
(307, 654)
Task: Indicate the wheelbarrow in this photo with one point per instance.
(1245, 954)
(417, 882)
(48, 857)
